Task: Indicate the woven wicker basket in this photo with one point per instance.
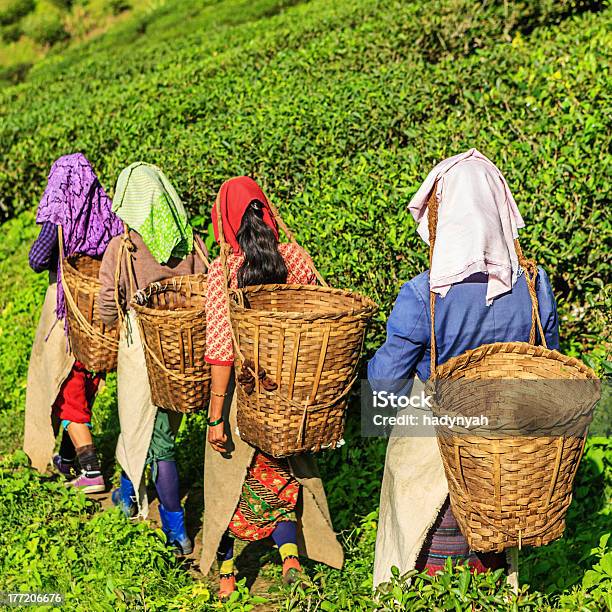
(308, 340)
(172, 323)
(511, 486)
(92, 342)
(300, 347)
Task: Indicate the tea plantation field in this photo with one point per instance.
(339, 109)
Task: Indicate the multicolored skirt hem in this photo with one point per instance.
(269, 495)
(445, 540)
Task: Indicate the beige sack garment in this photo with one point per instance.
(414, 488)
(136, 410)
(50, 364)
(223, 479)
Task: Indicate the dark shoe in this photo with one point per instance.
(173, 525)
(125, 497)
(67, 469)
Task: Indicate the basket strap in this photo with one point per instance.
(291, 238)
(201, 253)
(529, 267)
(126, 248)
(432, 220)
(226, 284)
(89, 330)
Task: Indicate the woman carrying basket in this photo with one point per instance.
(61, 391)
(248, 494)
(160, 244)
(483, 297)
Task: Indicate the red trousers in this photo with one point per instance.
(77, 395)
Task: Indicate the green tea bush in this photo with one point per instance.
(45, 25)
(13, 10)
(21, 296)
(63, 5)
(11, 32)
(339, 109)
(100, 561)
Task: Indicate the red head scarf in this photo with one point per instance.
(234, 198)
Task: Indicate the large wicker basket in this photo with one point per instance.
(92, 342)
(172, 323)
(297, 353)
(510, 481)
(307, 341)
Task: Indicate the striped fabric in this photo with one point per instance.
(269, 495)
(146, 200)
(446, 540)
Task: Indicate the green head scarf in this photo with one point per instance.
(149, 204)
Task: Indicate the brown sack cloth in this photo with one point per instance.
(50, 364)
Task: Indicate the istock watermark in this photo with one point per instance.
(489, 407)
(430, 420)
(386, 399)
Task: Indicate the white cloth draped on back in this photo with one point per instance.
(413, 490)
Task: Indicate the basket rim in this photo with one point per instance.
(472, 356)
(369, 307)
(68, 266)
(159, 287)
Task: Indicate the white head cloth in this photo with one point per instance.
(478, 221)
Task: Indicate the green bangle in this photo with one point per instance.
(213, 423)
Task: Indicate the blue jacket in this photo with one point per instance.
(463, 321)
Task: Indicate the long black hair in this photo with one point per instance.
(263, 264)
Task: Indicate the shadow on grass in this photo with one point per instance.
(253, 557)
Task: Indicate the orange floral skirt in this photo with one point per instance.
(269, 495)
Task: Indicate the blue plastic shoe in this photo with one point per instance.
(125, 497)
(173, 525)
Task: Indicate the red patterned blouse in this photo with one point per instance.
(219, 349)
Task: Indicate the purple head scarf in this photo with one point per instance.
(75, 200)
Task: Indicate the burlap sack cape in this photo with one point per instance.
(50, 364)
(136, 410)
